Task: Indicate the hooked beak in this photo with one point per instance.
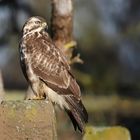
(44, 25)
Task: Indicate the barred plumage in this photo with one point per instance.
(48, 72)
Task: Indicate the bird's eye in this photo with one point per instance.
(37, 22)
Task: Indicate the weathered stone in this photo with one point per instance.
(27, 120)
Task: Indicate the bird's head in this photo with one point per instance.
(34, 24)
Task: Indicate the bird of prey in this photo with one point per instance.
(48, 72)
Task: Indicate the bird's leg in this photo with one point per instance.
(32, 96)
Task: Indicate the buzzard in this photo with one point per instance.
(48, 72)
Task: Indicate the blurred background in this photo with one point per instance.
(108, 39)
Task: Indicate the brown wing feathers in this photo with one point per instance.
(55, 72)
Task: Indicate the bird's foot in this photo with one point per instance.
(36, 98)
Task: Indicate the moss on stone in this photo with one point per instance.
(106, 133)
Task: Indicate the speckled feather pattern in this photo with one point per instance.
(48, 72)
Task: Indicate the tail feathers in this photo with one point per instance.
(77, 113)
(83, 112)
(76, 121)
